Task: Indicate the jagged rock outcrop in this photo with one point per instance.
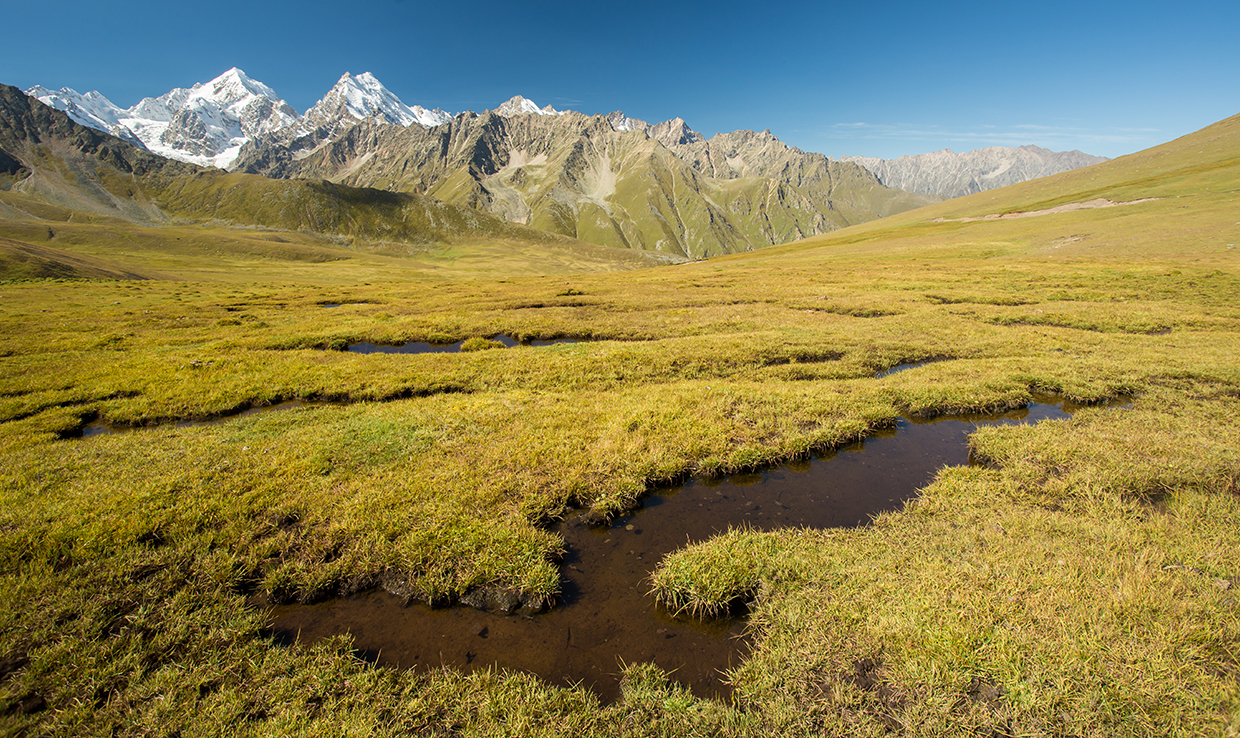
(946, 174)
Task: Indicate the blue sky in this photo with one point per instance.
(877, 79)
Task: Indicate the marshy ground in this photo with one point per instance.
(1080, 580)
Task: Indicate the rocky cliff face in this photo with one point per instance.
(610, 180)
(946, 174)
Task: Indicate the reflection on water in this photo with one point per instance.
(605, 618)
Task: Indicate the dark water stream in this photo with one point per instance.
(100, 427)
(605, 618)
(421, 347)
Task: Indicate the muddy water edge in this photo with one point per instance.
(605, 618)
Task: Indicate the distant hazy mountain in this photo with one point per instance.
(610, 180)
(518, 105)
(947, 174)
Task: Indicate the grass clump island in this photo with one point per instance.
(1080, 580)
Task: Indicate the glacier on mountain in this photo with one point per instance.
(358, 97)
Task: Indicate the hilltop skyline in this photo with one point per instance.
(838, 80)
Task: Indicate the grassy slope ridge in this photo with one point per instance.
(65, 172)
(1081, 582)
(574, 175)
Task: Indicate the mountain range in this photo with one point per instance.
(609, 179)
(59, 177)
(947, 174)
(208, 123)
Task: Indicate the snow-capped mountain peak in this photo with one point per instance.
(362, 96)
(621, 122)
(518, 105)
(232, 86)
(92, 110)
(207, 124)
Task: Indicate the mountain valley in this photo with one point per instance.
(192, 437)
(609, 180)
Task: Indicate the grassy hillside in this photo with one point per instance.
(1080, 581)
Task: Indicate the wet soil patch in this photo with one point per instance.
(605, 618)
(28, 704)
(421, 347)
(12, 665)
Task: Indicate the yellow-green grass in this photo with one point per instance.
(1082, 582)
(113, 248)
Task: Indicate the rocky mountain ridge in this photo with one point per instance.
(946, 174)
(609, 180)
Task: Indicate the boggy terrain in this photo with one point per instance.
(1082, 581)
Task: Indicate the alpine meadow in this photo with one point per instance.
(436, 364)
